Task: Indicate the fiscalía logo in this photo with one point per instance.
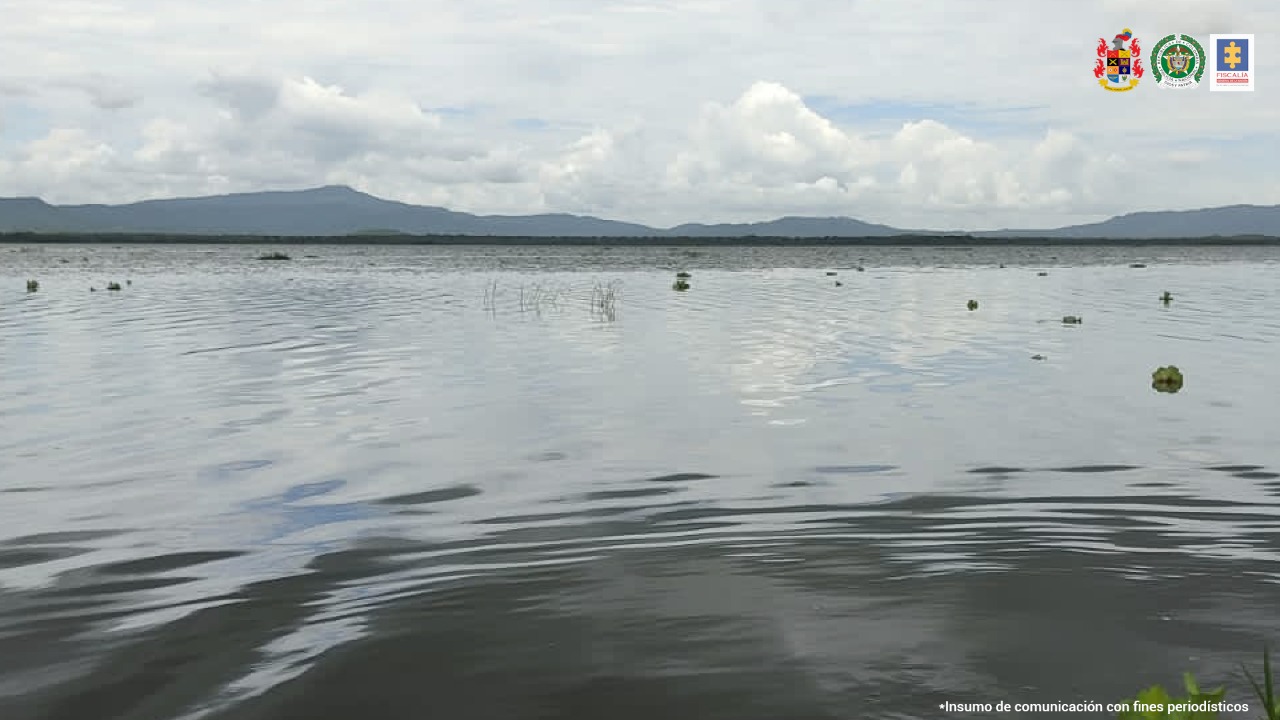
(1232, 62)
(1177, 61)
(1119, 67)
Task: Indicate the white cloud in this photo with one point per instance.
(768, 138)
(660, 111)
(65, 153)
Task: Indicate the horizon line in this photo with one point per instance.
(903, 239)
(655, 228)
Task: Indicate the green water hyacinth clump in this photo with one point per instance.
(1167, 379)
(1072, 319)
(32, 286)
(114, 286)
(1166, 298)
(973, 305)
(682, 275)
(274, 256)
(1156, 703)
(680, 285)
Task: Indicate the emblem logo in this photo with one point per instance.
(1177, 61)
(1231, 62)
(1119, 68)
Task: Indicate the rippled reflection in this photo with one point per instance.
(406, 482)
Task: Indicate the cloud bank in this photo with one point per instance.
(916, 114)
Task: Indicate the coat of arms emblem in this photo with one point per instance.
(1177, 61)
(1119, 67)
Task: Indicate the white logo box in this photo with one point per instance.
(1224, 78)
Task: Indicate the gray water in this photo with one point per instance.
(451, 482)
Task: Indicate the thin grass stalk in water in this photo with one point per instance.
(604, 301)
(537, 298)
(1265, 690)
(491, 296)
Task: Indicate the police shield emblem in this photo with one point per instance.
(1177, 61)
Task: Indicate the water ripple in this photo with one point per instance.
(262, 464)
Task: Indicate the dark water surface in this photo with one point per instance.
(449, 482)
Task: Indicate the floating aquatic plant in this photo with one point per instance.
(973, 305)
(1072, 319)
(32, 286)
(1037, 356)
(685, 276)
(680, 284)
(113, 286)
(839, 284)
(274, 256)
(1042, 274)
(1167, 379)
(1137, 265)
(1166, 298)
(1155, 702)
(831, 273)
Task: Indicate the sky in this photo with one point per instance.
(970, 115)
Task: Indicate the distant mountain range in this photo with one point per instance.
(340, 211)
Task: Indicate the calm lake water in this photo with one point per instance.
(451, 482)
